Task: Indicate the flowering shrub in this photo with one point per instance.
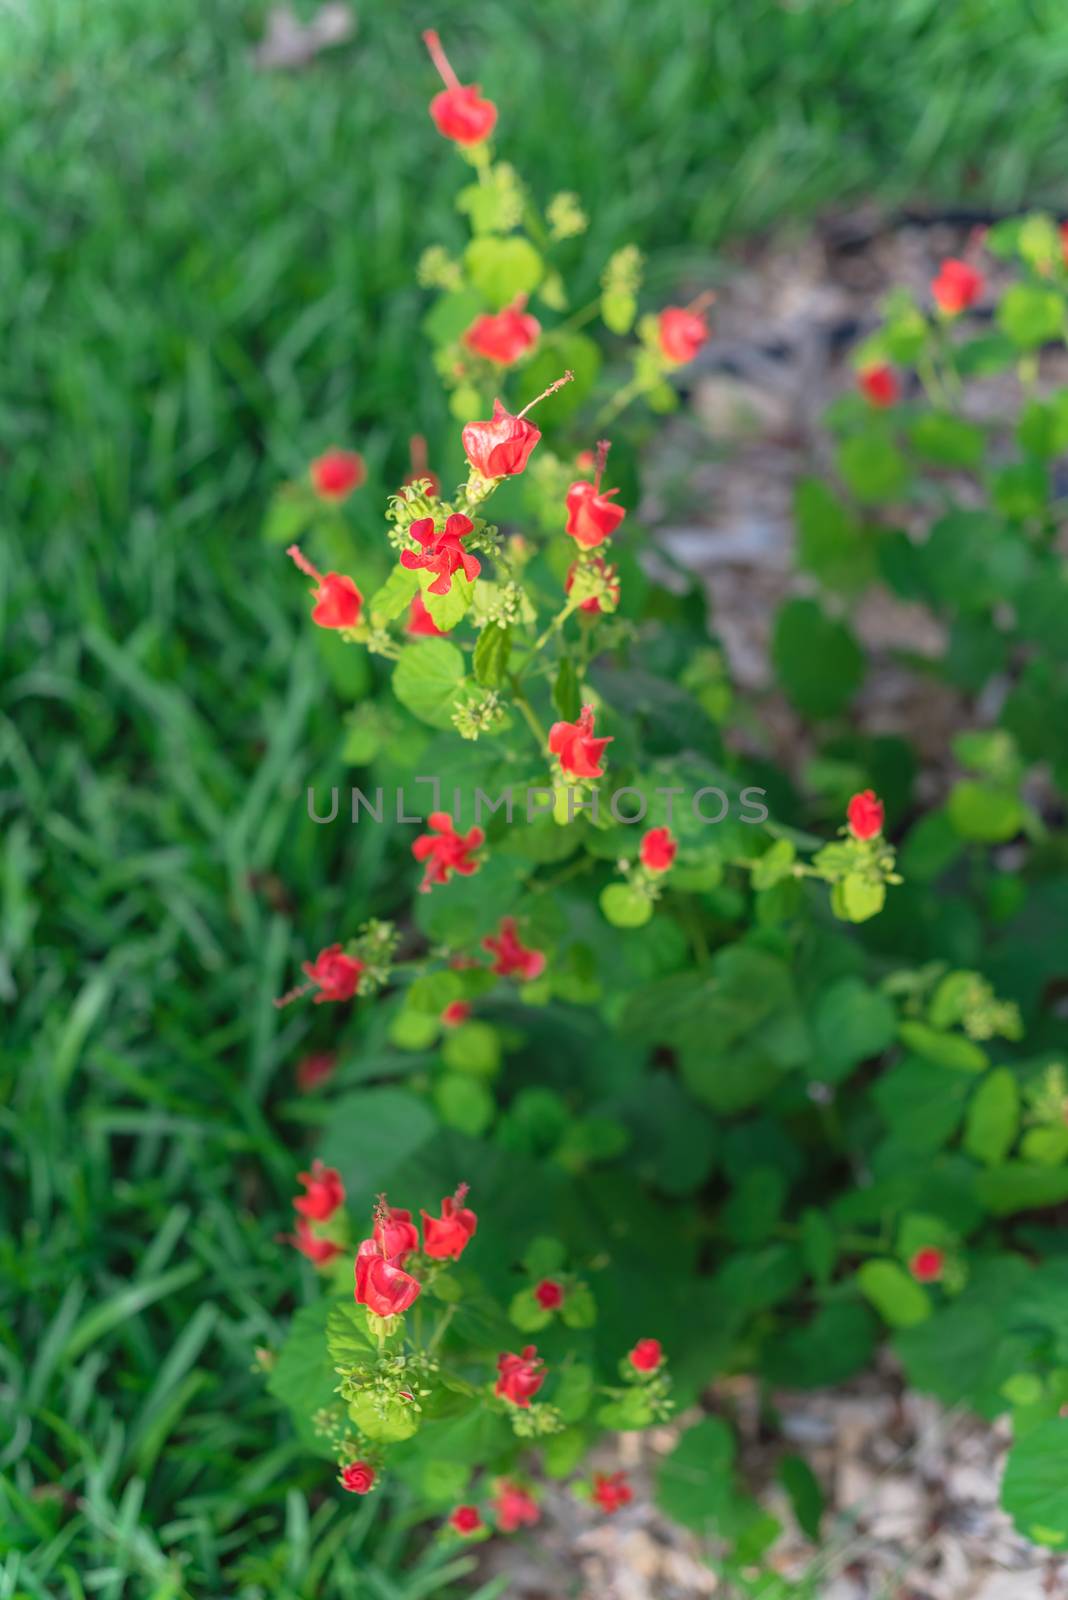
(757, 1085)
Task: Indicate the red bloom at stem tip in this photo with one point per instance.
(504, 336)
(447, 1237)
(549, 1295)
(611, 1491)
(646, 1355)
(455, 1012)
(318, 1251)
(465, 1520)
(382, 1286)
(420, 621)
(610, 575)
(459, 112)
(337, 599)
(325, 1192)
(956, 287)
(445, 851)
(395, 1233)
(315, 1069)
(336, 473)
(879, 383)
(520, 1377)
(442, 551)
(683, 330)
(927, 1264)
(591, 515)
(358, 1477)
(501, 447)
(514, 959)
(514, 1508)
(658, 850)
(864, 813)
(334, 974)
(579, 752)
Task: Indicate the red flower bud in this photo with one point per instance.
(864, 814)
(579, 752)
(646, 1355)
(500, 448)
(395, 1234)
(459, 112)
(956, 287)
(591, 516)
(658, 850)
(520, 1377)
(336, 473)
(611, 1491)
(325, 1193)
(682, 331)
(315, 1069)
(447, 1237)
(442, 551)
(334, 974)
(337, 599)
(879, 384)
(384, 1288)
(319, 1251)
(465, 1520)
(445, 851)
(549, 1295)
(927, 1264)
(420, 622)
(608, 573)
(514, 1508)
(514, 960)
(505, 335)
(455, 1012)
(358, 1477)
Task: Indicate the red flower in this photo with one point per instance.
(318, 1251)
(865, 815)
(443, 551)
(459, 112)
(334, 974)
(611, 1490)
(325, 1193)
(500, 448)
(505, 335)
(421, 622)
(658, 850)
(465, 1520)
(514, 1508)
(447, 1236)
(608, 573)
(337, 599)
(683, 330)
(514, 960)
(549, 1295)
(315, 1069)
(455, 1012)
(591, 516)
(395, 1234)
(646, 1355)
(927, 1264)
(357, 1477)
(520, 1377)
(880, 384)
(382, 1286)
(336, 473)
(445, 851)
(580, 753)
(956, 287)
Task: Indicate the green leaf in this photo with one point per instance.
(625, 907)
(1017, 1187)
(993, 1118)
(579, 1309)
(464, 1103)
(922, 1103)
(291, 510)
(618, 310)
(947, 441)
(426, 679)
(856, 898)
(473, 1048)
(898, 1299)
(566, 697)
(527, 1313)
(839, 1341)
(544, 1256)
(492, 650)
(1031, 316)
(819, 1245)
(806, 1496)
(1035, 1488)
(851, 1023)
(817, 660)
(775, 865)
(874, 469)
(574, 1392)
(395, 595)
(831, 544)
(984, 813)
(557, 353)
(951, 1050)
(446, 610)
(501, 269)
(303, 1377)
(695, 1482)
(347, 1338)
(451, 315)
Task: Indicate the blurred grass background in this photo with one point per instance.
(206, 276)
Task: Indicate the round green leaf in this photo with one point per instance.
(426, 679)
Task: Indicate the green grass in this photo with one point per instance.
(207, 275)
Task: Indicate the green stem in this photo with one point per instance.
(527, 711)
(439, 1331)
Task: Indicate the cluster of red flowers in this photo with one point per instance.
(324, 1193)
(382, 1283)
(519, 1377)
(443, 851)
